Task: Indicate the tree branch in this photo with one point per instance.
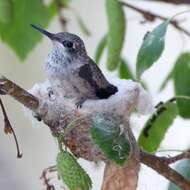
(78, 139)
(182, 156)
(18, 93)
(161, 166)
(150, 16)
(175, 1)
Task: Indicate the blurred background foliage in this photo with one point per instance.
(17, 15)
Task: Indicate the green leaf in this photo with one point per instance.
(183, 167)
(182, 83)
(72, 174)
(124, 70)
(65, 2)
(166, 80)
(17, 33)
(157, 126)
(100, 49)
(83, 26)
(106, 134)
(151, 48)
(5, 11)
(116, 32)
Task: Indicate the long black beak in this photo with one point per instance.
(48, 34)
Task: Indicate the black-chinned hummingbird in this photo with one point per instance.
(72, 72)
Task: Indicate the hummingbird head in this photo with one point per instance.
(66, 43)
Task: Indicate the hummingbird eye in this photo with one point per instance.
(67, 44)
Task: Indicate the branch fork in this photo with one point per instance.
(59, 113)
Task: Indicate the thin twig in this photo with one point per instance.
(159, 165)
(150, 16)
(47, 179)
(8, 129)
(182, 156)
(175, 1)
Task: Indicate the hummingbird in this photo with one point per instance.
(72, 72)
